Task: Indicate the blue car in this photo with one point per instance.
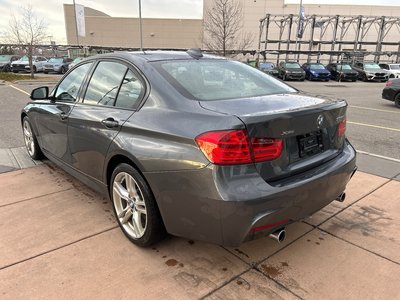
(316, 71)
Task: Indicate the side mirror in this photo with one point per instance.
(40, 93)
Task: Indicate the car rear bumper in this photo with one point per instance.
(223, 205)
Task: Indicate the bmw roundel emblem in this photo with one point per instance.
(320, 121)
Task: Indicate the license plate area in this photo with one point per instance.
(310, 144)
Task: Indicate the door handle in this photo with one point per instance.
(110, 123)
(63, 116)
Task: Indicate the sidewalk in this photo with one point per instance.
(60, 240)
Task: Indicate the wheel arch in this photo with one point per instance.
(120, 158)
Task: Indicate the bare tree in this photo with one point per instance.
(27, 30)
(223, 24)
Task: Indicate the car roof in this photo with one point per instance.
(154, 55)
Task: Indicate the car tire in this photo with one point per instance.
(135, 207)
(7, 68)
(364, 78)
(34, 69)
(397, 100)
(30, 140)
(45, 72)
(63, 70)
(15, 71)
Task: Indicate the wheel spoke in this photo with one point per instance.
(127, 216)
(137, 224)
(141, 207)
(121, 191)
(122, 213)
(130, 186)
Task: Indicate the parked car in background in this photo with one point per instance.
(290, 70)
(23, 64)
(75, 62)
(223, 159)
(391, 91)
(316, 71)
(342, 72)
(392, 69)
(57, 65)
(269, 68)
(5, 62)
(370, 71)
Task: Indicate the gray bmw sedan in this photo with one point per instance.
(193, 145)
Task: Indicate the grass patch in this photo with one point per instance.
(12, 77)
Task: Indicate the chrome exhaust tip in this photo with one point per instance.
(279, 235)
(341, 197)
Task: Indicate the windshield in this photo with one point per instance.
(5, 57)
(372, 66)
(394, 67)
(317, 67)
(24, 58)
(56, 60)
(267, 66)
(343, 67)
(219, 79)
(76, 60)
(292, 65)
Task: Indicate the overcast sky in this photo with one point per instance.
(52, 10)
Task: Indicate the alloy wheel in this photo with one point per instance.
(28, 138)
(129, 204)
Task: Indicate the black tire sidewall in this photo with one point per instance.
(154, 228)
(397, 100)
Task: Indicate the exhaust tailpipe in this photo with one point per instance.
(341, 197)
(279, 235)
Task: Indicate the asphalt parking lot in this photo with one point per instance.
(60, 239)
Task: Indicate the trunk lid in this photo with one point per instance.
(307, 125)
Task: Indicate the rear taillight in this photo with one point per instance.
(266, 148)
(342, 128)
(230, 147)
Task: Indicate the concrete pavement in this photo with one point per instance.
(60, 240)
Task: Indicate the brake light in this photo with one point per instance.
(266, 148)
(342, 128)
(230, 147)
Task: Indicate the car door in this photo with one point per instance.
(110, 98)
(53, 114)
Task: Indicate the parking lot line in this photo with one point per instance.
(18, 89)
(374, 126)
(375, 109)
(379, 156)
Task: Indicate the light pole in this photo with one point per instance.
(140, 25)
(76, 24)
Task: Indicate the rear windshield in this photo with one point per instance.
(219, 79)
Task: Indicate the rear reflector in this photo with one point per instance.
(230, 147)
(342, 128)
